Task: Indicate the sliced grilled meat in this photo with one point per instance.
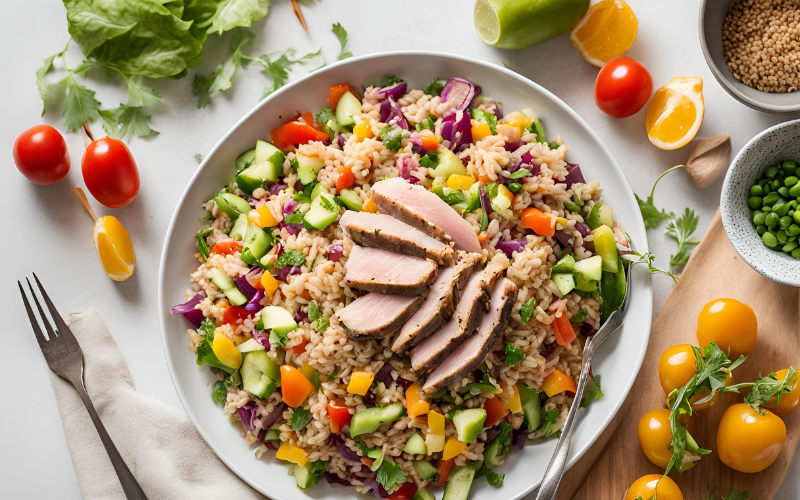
(440, 303)
(472, 352)
(376, 315)
(422, 209)
(384, 271)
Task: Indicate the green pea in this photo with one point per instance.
(755, 202)
(772, 220)
(796, 253)
(789, 167)
(771, 198)
(785, 221)
(756, 190)
(766, 209)
(784, 191)
(783, 209)
(767, 190)
(782, 237)
(761, 229)
(771, 172)
(759, 217)
(796, 216)
(770, 240)
(794, 192)
(790, 246)
(793, 230)
(792, 238)
(775, 184)
(790, 181)
(762, 181)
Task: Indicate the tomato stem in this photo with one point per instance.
(299, 14)
(82, 197)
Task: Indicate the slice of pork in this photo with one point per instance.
(440, 303)
(384, 271)
(422, 209)
(472, 352)
(469, 311)
(384, 231)
(376, 315)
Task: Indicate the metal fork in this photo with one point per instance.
(555, 470)
(65, 359)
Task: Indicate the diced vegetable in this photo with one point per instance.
(266, 166)
(347, 107)
(469, 423)
(339, 415)
(363, 131)
(226, 286)
(226, 352)
(245, 159)
(539, 222)
(256, 244)
(370, 206)
(600, 215)
(564, 281)
(269, 283)
(295, 387)
(308, 371)
(277, 319)
(345, 179)
(249, 346)
(239, 228)
(351, 200)
(370, 419)
(495, 411)
(429, 140)
(309, 474)
(232, 205)
(591, 269)
(453, 448)
(605, 245)
(262, 217)
(415, 405)
(336, 92)
(296, 133)
(480, 131)
(531, 406)
(292, 454)
(444, 468)
(436, 422)
(447, 164)
(565, 265)
(415, 445)
(460, 482)
(360, 382)
(406, 491)
(558, 382)
(323, 211)
(226, 247)
(425, 469)
(509, 398)
(563, 329)
(460, 182)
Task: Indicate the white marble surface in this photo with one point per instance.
(48, 232)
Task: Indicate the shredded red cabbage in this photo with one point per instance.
(404, 167)
(287, 271)
(277, 188)
(347, 454)
(270, 446)
(385, 375)
(563, 238)
(587, 329)
(519, 438)
(301, 317)
(458, 92)
(247, 414)
(342, 140)
(395, 91)
(335, 252)
(486, 203)
(194, 316)
(513, 146)
(245, 287)
(334, 478)
(288, 207)
(583, 229)
(491, 434)
(456, 131)
(574, 175)
(405, 384)
(391, 114)
(375, 486)
(275, 416)
(293, 229)
(254, 304)
(262, 339)
(511, 246)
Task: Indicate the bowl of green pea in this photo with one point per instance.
(760, 203)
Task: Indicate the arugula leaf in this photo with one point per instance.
(219, 16)
(648, 259)
(527, 310)
(221, 79)
(592, 391)
(514, 354)
(314, 314)
(766, 388)
(549, 422)
(735, 494)
(290, 257)
(390, 475)
(520, 174)
(580, 317)
(493, 478)
(489, 118)
(121, 121)
(681, 230)
(202, 244)
(341, 34)
(392, 137)
(300, 418)
(435, 87)
(278, 69)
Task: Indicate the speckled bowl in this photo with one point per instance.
(778, 143)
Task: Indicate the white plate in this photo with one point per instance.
(618, 361)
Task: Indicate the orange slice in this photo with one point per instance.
(676, 112)
(606, 31)
(114, 248)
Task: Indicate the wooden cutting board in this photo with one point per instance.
(714, 271)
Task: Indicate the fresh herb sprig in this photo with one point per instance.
(341, 35)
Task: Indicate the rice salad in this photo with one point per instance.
(343, 402)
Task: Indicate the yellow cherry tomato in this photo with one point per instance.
(654, 486)
(704, 394)
(676, 367)
(748, 441)
(730, 324)
(655, 437)
(788, 402)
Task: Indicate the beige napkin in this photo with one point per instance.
(159, 443)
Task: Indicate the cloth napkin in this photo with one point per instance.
(160, 445)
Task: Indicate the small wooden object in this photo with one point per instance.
(709, 159)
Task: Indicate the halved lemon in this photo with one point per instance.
(606, 31)
(114, 248)
(676, 112)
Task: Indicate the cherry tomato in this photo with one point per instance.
(655, 437)
(110, 172)
(404, 492)
(563, 330)
(654, 486)
(226, 247)
(730, 324)
(294, 133)
(233, 314)
(339, 414)
(749, 441)
(41, 155)
(789, 401)
(676, 367)
(623, 87)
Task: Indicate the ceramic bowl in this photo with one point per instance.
(779, 143)
(712, 13)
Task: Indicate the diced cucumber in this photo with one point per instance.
(256, 244)
(232, 205)
(318, 190)
(347, 107)
(424, 494)
(261, 361)
(591, 269)
(564, 281)
(365, 421)
(266, 152)
(239, 228)
(272, 435)
(312, 163)
(599, 215)
(226, 286)
(351, 200)
(258, 385)
(459, 482)
(323, 211)
(415, 445)
(266, 166)
(392, 412)
(268, 260)
(531, 406)
(536, 125)
(376, 455)
(605, 245)
(491, 454)
(250, 346)
(306, 175)
(306, 476)
(426, 469)
(565, 264)
(469, 423)
(584, 285)
(501, 201)
(278, 319)
(447, 164)
(245, 159)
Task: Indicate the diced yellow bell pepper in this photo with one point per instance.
(226, 351)
(453, 448)
(415, 405)
(480, 131)
(436, 423)
(460, 182)
(434, 443)
(308, 371)
(262, 217)
(360, 382)
(269, 283)
(370, 206)
(510, 400)
(363, 131)
(558, 382)
(292, 454)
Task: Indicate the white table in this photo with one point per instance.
(49, 233)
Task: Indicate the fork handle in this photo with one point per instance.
(129, 484)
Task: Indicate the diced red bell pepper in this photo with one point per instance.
(295, 133)
(308, 118)
(233, 314)
(404, 492)
(444, 467)
(494, 412)
(563, 330)
(226, 247)
(300, 348)
(339, 414)
(337, 91)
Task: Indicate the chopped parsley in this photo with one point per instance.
(392, 137)
(318, 469)
(341, 34)
(202, 244)
(278, 339)
(430, 160)
(514, 354)
(527, 310)
(592, 392)
(315, 315)
(549, 420)
(580, 317)
(427, 124)
(324, 115)
(207, 329)
(681, 230)
(519, 173)
(220, 394)
(300, 418)
(290, 257)
(435, 87)
(390, 476)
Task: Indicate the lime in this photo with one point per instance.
(514, 24)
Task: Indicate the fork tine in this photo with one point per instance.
(37, 331)
(51, 335)
(62, 327)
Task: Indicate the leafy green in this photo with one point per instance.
(430, 160)
(514, 354)
(206, 356)
(300, 418)
(220, 394)
(392, 137)
(199, 159)
(527, 310)
(592, 391)
(612, 291)
(318, 469)
(314, 314)
(221, 79)
(681, 230)
(435, 87)
(735, 494)
(278, 69)
(290, 257)
(648, 259)
(766, 388)
(652, 215)
(42, 72)
(207, 329)
(484, 220)
(485, 385)
(341, 34)
(202, 245)
(504, 439)
(520, 174)
(549, 422)
(580, 317)
(390, 475)
(493, 478)
(121, 121)
(324, 115)
(427, 124)
(278, 339)
(489, 118)
(219, 16)
(295, 218)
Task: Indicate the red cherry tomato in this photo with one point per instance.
(110, 172)
(41, 155)
(339, 414)
(623, 87)
(404, 492)
(233, 314)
